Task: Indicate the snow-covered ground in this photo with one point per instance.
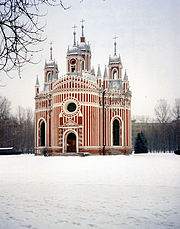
(107, 192)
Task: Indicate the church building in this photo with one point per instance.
(81, 111)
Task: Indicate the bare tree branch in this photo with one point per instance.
(21, 31)
(162, 111)
(176, 109)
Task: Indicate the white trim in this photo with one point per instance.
(70, 127)
(41, 110)
(38, 131)
(78, 91)
(66, 103)
(82, 104)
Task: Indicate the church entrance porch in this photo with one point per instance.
(71, 142)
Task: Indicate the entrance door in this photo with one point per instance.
(71, 142)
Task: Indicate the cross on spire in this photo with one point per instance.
(115, 45)
(50, 50)
(74, 33)
(82, 21)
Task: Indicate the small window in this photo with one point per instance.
(71, 107)
(73, 61)
(73, 69)
(83, 65)
(115, 75)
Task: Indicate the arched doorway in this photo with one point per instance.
(42, 134)
(116, 132)
(71, 142)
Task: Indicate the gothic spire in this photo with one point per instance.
(82, 35)
(105, 73)
(74, 34)
(50, 50)
(37, 81)
(93, 71)
(99, 71)
(115, 45)
(125, 76)
(82, 21)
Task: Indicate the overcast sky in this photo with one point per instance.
(148, 41)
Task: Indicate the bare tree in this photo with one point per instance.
(18, 130)
(176, 109)
(21, 31)
(29, 131)
(163, 115)
(162, 111)
(5, 122)
(4, 108)
(176, 124)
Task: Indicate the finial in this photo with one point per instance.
(105, 73)
(82, 21)
(125, 75)
(74, 33)
(82, 38)
(99, 71)
(50, 50)
(115, 45)
(37, 81)
(93, 71)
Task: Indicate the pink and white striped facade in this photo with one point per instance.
(82, 111)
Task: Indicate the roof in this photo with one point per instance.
(114, 59)
(51, 64)
(84, 46)
(73, 50)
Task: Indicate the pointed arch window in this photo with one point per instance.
(42, 134)
(116, 132)
(115, 74)
(83, 65)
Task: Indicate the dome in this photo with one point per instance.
(73, 50)
(51, 64)
(115, 59)
(84, 46)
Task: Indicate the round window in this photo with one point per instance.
(73, 61)
(71, 107)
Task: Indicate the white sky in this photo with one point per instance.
(148, 42)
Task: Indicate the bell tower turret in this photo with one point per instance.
(50, 71)
(37, 86)
(115, 65)
(85, 51)
(74, 58)
(125, 82)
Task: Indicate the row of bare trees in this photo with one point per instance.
(169, 125)
(16, 130)
(163, 134)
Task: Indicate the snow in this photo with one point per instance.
(96, 192)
